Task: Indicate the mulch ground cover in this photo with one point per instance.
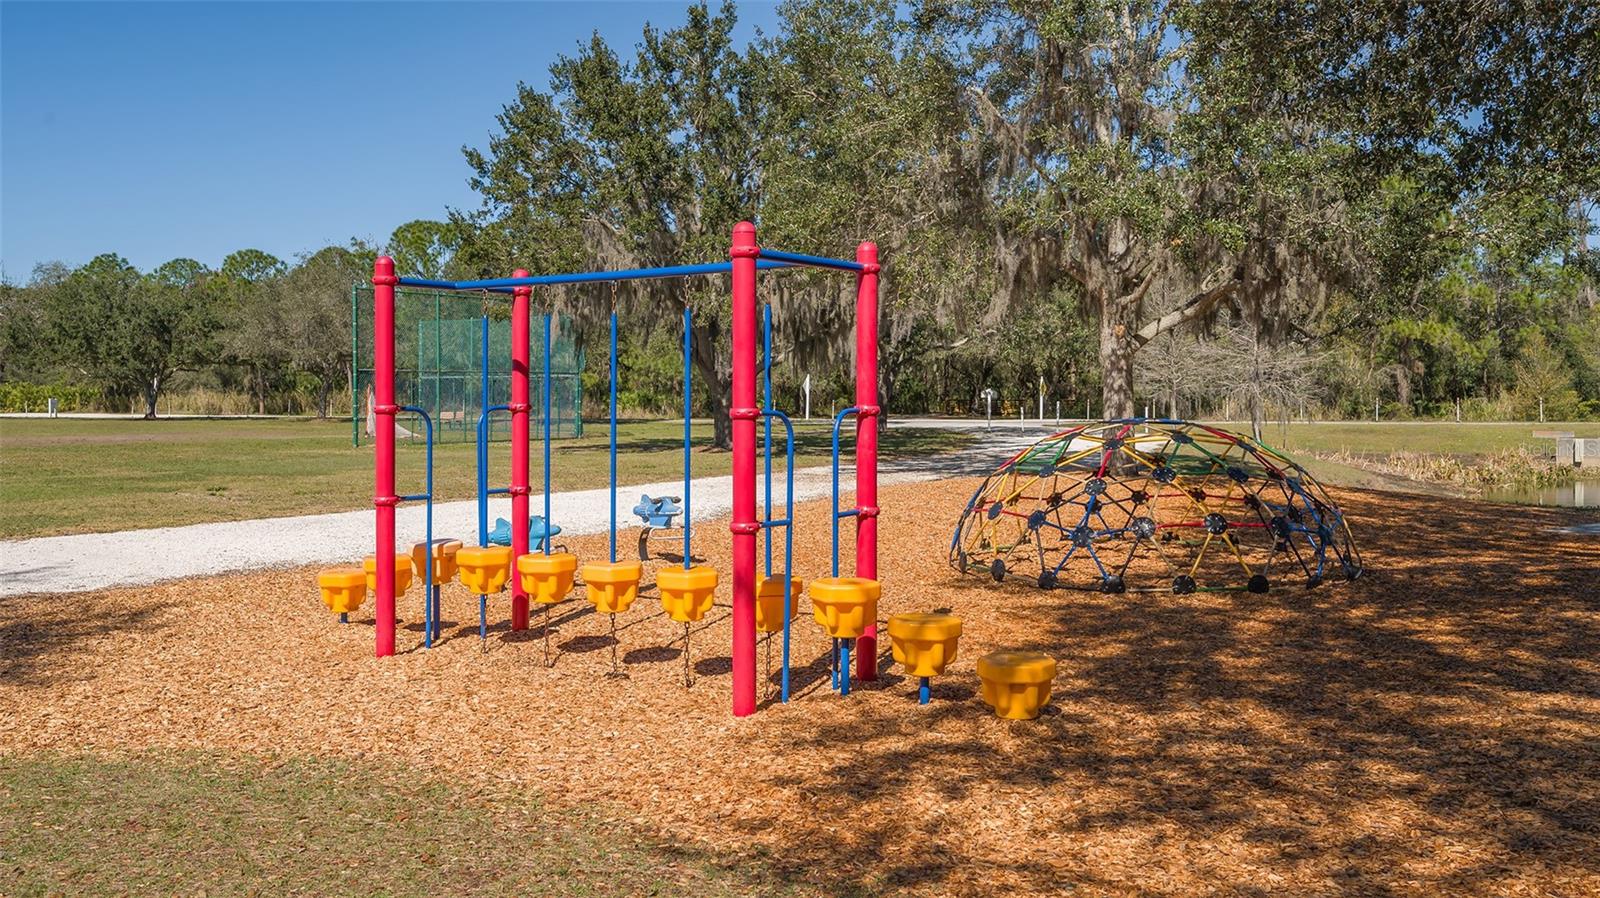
(1430, 729)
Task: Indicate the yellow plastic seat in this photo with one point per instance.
(1016, 684)
(547, 578)
(844, 606)
(687, 593)
(484, 569)
(924, 643)
(444, 559)
(343, 588)
(402, 574)
(612, 586)
(769, 602)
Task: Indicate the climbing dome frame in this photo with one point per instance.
(1154, 506)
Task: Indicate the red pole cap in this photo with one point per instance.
(383, 272)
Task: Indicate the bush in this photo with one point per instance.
(26, 397)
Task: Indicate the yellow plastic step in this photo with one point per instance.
(769, 602)
(687, 593)
(844, 606)
(547, 578)
(484, 569)
(1016, 684)
(402, 574)
(924, 643)
(612, 586)
(343, 588)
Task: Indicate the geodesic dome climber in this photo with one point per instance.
(1154, 505)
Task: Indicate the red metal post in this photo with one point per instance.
(744, 412)
(521, 302)
(867, 443)
(383, 410)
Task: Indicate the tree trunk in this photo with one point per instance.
(152, 391)
(1116, 364)
(703, 350)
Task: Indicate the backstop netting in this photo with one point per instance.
(439, 365)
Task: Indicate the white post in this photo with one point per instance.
(1022, 415)
(1086, 408)
(1058, 413)
(1041, 398)
(1541, 409)
(988, 408)
(1458, 410)
(807, 386)
(1374, 410)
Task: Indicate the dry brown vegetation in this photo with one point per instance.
(1431, 729)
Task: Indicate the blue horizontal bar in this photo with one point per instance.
(417, 498)
(777, 522)
(503, 285)
(814, 261)
(846, 514)
(498, 492)
(445, 285)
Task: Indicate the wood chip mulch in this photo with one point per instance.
(1431, 729)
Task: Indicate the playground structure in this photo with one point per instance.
(445, 341)
(846, 606)
(1154, 505)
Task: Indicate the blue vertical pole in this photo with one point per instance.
(483, 398)
(547, 525)
(766, 403)
(613, 435)
(922, 691)
(844, 666)
(688, 378)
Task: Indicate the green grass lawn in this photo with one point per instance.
(99, 475)
(197, 824)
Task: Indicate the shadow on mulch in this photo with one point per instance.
(1346, 702)
(30, 635)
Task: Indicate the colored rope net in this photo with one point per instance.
(1154, 506)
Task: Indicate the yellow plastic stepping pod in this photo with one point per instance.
(769, 602)
(924, 644)
(444, 560)
(613, 586)
(844, 605)
(686, 595)
(1016, 684)
(402, 574)
(484, 569)
(547, 578)
(343, 589)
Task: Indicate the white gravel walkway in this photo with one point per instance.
(58, 564)
(132, 557)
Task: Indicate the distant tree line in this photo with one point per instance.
(1187, 205)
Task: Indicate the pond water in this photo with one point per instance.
(1577, 494)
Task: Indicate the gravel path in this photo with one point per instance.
(88, 561)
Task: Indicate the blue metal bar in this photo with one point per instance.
(613, 435)
(499, 491)
(922, 691)
(483, 368)
(548, 525)
(688, 378)
(504, 285)
(812, 261)
(484, 492)
(430, 611)
(837, 421)
(788, 539)
(766, 422)
(844, 666)
(774, 522)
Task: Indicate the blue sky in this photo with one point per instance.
(159, 130)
